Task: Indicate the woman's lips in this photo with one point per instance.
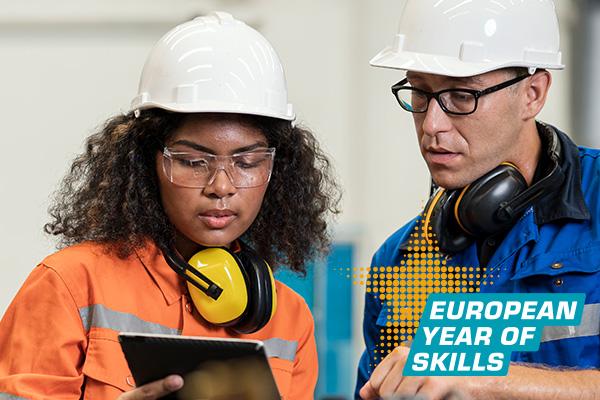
(217, 219)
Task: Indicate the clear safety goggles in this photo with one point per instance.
(194, 169)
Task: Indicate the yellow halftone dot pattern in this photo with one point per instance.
(403, 289)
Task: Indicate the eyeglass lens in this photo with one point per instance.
(455, 101)
(197, 170)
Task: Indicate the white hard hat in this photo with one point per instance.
(214, 64)
(465, 38)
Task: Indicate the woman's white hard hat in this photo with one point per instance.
(469, 37)
(214, 63)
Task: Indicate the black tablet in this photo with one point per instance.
(212, 368)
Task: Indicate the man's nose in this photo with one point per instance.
(436, 120)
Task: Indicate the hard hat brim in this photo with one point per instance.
(444, 65)
(214, 107)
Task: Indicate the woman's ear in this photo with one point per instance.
(536, 91)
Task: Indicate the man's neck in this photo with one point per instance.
(528, 152)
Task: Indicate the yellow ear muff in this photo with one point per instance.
(223, 269)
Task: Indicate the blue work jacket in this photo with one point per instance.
(553, 248)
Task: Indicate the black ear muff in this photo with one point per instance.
(260, 293)
(492, 203)
(456, 217)
(476, 208)
(441, 226)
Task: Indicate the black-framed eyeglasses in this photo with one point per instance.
(458, 101)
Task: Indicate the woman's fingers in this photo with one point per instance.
(154, 390)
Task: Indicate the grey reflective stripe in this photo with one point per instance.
(284, 349)
(589, 326)
(99, 316)
(6, 396)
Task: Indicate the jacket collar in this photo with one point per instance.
(167, 280)
(567, 201)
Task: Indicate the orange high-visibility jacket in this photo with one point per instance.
(58, 338)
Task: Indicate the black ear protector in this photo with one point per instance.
(490, 204)
(231, 289)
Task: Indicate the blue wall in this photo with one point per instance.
(327, 290)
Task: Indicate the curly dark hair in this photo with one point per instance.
(111, 194)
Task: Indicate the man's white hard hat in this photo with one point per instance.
(469, 37)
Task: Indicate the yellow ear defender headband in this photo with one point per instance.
(231, 289)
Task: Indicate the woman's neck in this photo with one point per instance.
(186, 247)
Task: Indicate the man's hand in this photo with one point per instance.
(154, 390)
(387, 380)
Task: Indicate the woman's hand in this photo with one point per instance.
(154, 390)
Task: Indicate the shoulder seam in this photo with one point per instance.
(69, 291)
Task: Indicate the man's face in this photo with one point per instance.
(458, 149)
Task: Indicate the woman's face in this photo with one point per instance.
(219, 213)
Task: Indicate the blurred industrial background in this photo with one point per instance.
(67, 65)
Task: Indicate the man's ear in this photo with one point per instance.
(536, 90)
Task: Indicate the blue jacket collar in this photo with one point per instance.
(567, 201)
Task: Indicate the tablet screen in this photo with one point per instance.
(212, 368)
